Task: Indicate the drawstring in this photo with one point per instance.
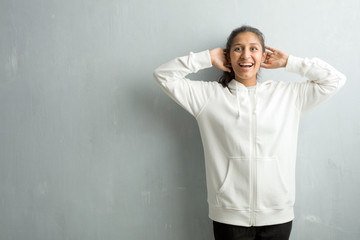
(237, 98)
(255, 98)
(238, 101)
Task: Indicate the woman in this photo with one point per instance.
(249, 129)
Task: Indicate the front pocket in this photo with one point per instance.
(235, 190)
(272, 191)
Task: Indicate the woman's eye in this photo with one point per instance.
(253, 49)
(238, 49)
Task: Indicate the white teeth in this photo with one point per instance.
(246, 64)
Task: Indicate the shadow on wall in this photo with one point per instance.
(178, 151)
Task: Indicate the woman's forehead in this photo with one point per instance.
(246, 38)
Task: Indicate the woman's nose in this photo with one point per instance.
(245, 54)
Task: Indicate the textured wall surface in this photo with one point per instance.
(91, 148)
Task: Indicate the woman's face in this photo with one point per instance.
(246, 55)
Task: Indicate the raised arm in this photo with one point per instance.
(323, 80)
(191, 95)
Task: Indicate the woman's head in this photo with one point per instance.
(245, 51)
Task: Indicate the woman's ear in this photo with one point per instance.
(227, 55)
(263, 58)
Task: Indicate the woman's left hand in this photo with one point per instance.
(274, 59)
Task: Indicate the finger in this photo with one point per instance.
(224, 68)
(267, 66)
(268, 60)
(271, 49)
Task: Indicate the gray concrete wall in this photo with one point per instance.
(91, 148)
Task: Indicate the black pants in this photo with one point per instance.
(224, 231)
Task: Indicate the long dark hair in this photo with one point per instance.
(228, 76)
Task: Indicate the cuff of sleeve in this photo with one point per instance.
(203, 59)
(294, 64)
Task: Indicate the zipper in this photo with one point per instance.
(253, 166)
(254, 169)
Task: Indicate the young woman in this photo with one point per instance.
(249, 129)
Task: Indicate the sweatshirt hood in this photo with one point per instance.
(239, 88)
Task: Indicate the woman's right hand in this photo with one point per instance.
(219, 60)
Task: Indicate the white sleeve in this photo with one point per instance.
(191, 95)
(323, 81)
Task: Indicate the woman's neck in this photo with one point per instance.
(247, 83)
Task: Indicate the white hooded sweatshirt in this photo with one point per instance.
(250, 152)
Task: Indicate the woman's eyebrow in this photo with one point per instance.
(241, 44)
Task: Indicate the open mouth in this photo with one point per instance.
(246, 65)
